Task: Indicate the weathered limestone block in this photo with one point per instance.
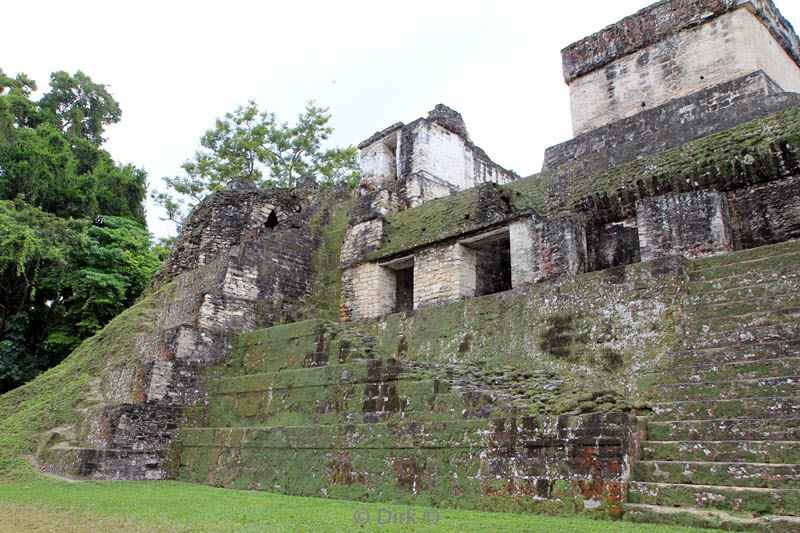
(368, 291)
(673, 49)
(694, 224)
(766, 213)
(134, 426)
(544, 248)
(672, 124)
(240, 281)
(438, 153)
(225, 219)
(361, 239)
(379, 162)
(443, 274)
(416, 189)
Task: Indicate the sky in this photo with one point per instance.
(175, 66)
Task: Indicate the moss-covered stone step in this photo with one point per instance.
(540, 431)
(708, 518)
(736, 353)
(757, 408)
(401, 434)
(759, 334)
(770, 429)
(297, 345)
(760, 258)
(455, 477)
(787, 269)
(732, 324)
(745, 306)
(418, 400)
(783, 286)
(784, 386)
(320, 405)
(741, 501)
(733, 451)
(738, 370)
(93, 463)
(370, 371)
(766, 475)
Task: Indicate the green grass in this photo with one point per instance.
(49, 505)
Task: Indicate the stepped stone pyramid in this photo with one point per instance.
(615, 336)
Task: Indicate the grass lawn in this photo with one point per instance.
(42, 504)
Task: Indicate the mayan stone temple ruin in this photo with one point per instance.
(615, 336)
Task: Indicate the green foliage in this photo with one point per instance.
(61, 281)
(250, 145)
(113, 267)
(34, 263)
(50, 152)
(80, 107)
(74, 249)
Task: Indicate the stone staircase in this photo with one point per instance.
(314, 409)
(722, 446)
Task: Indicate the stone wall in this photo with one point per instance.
(378, 158)
(660, 20)
(368, 290)
(721, 49)
(361, 238)
(443, 274)
(612, 244)
(439, 153)
(254, 270)
(672, 124)
(544, 248)
(221, 221)
(766, 213)
(695, 224)
(318, 410)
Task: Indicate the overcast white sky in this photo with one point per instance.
(175, 66)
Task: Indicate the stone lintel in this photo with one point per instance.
(400, 263)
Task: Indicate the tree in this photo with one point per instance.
(50, 151)
(16, 108)
(251, 145)
(62, 280)
(74, 248)
(80, 107)
(34, 262)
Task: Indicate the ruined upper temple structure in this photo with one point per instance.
(616, 335)
(671, 73)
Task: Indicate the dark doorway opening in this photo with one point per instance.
(493, 268)
(492, 261)
(404, 292)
